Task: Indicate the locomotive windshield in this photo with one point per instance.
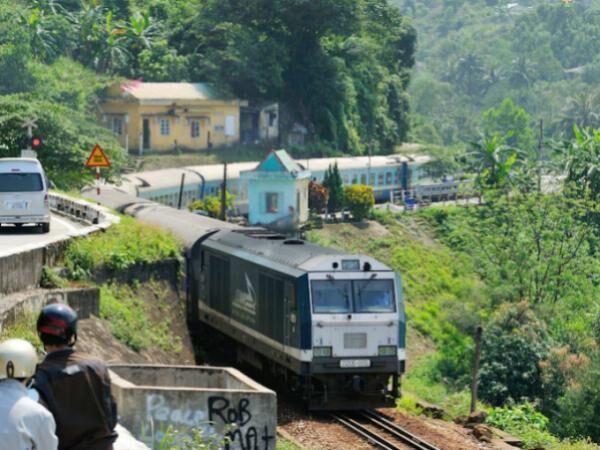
(332, 296)
(356, 296)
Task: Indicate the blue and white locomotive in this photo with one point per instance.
(329, 325)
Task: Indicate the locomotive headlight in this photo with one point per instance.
(387, 350)
(322, 352)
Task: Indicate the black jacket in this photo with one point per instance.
(76, 390)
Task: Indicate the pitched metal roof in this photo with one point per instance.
(172, 91)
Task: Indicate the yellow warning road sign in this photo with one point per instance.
(97, 158)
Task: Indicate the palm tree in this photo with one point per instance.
(522, 72)
(583, 110)
(43, 41)
(469, 74)
(582, 161)
(492, 160)
(141, 33)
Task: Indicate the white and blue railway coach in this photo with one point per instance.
(329, 325)
(386, 174)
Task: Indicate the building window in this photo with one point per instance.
(195, 128)
(272, 202)
(117, 125)
(165, 127)
(230, 126)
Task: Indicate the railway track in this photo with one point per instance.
(362, 423)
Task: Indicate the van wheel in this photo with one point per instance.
(46, 227)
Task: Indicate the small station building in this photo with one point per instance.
(277, 192)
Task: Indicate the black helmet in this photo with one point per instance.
(58, 322)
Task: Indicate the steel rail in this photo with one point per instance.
(397, 431)
(361, 430)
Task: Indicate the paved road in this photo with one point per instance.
(12, 238)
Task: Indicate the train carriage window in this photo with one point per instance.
(397, 177)
(372, 179)
(354, 178)
(388, 178)
(380, 179)
(363, 178)
(346, 179)
(373, 296)
(331, 296)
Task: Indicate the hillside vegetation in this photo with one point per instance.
(472, 56)
(525, 267)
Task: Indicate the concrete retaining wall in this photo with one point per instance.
(22, 269)
(85, 301)
(217, 401)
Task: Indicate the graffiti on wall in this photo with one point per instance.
(219, 420)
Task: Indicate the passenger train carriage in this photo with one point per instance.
(330, 325)
(386, 174)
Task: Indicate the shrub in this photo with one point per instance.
(359, 199)
(212, 204)
(512, 347)
(120, 247)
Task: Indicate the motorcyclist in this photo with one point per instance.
(24, 423)
(74, 386)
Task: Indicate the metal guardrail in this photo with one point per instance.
(81, 210)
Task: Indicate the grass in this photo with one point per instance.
(23, 328)
(130, 320)
(284, 444)
(121, 246)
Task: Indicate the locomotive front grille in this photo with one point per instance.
(355, 340)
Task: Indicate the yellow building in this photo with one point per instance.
(164, 116)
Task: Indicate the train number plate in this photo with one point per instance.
(354, 363)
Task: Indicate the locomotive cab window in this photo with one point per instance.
(356, 296)
(373, 296)
(332, 296)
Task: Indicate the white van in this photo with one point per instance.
(23, 193)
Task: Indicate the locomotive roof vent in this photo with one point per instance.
(293, 242)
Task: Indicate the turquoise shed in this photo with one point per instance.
(277, 192)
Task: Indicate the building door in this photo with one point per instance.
(146, 134)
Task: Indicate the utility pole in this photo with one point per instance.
(223, 215)
(540, 155)
(181, 190)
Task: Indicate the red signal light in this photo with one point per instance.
(36, 142)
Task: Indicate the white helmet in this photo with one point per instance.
(18, 359)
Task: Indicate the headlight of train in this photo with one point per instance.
(387, 350)
(322, 352)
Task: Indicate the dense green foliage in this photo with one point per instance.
(476, 55)
(340, 68)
